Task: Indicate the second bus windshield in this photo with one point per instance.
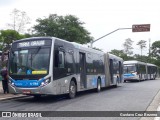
(129, 68)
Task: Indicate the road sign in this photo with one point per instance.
(141, 28)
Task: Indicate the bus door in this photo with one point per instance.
(120, 72)
(82, 64)
(111, 69)
(149, 72)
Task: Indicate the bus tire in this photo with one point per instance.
(72, 90)
(98, 85)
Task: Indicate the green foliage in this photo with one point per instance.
(120, 53)
(8, 36)
(28, 35)
(97, 49)
(117, 52)
(142, 58)
(156, 62)
(155, 54)
(65, 27)
(156, 49)
(154, 58)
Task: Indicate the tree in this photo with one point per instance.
(97, 49)
(8, 36)
(156, 50)
(128, 46)
(120, 53)
(66, 27)
(20, 20)
(142, 58)
(142, 44)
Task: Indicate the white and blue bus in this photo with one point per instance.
(134, 70)
(52, 66)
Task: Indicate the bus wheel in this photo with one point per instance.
(98, 85)
(72, 90)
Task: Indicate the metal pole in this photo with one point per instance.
(149, 50)
(91, 43)
(107, 35)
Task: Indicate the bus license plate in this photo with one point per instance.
(26, 92)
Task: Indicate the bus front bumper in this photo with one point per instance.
(131, 78)
(32, 91)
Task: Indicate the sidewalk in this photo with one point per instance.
(7, 96)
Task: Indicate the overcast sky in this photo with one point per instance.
(100, 17)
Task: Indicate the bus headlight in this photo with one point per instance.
(10, 81)
(45, 82)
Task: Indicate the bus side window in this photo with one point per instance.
(59, 59)
(137, 69)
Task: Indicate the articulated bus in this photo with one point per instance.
(136, 70)
(152, 71)
(52, 66)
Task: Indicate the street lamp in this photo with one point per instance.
(93, 41)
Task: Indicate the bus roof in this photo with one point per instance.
(134, 62)
(114, 57)
(76, 45)
(149, 64)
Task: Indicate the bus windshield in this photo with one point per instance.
(129, 68)
(29, 61)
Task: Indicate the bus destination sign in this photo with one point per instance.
(31, 43)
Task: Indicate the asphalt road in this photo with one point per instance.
(131, 96)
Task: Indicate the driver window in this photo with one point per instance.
(59, 59)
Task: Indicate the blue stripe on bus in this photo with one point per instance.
(94, 81)
(27, 83)
(103, 81)
(128, 75)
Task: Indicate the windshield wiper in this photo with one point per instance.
(34, 54)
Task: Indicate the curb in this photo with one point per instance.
(154, 106)
(12, 97)
(9, 96)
